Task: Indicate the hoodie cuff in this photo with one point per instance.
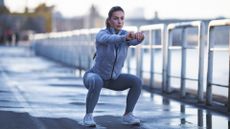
(123, 38)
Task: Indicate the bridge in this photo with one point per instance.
(179, 63)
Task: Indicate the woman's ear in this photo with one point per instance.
(109, 22)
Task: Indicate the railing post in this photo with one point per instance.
(229, 75)
(183, 64)
(139, 61)
(168, 68)
(165, 53)
(210, 68)
(201, 33)
(151, 60)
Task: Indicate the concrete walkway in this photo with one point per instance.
(36, 93)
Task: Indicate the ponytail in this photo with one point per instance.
(107, 23)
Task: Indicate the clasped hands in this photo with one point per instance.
(138, 36)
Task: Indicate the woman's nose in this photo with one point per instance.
(119, 21)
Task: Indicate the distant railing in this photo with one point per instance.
(153, 59)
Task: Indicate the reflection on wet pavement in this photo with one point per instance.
(53, 96)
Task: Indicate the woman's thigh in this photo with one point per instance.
(123, 82)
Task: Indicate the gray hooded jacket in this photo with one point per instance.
(111, 52)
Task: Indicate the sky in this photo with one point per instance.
(181, 9)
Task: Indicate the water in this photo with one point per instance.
(220, 69)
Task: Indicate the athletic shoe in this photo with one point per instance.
(130, 119)
(89, 121)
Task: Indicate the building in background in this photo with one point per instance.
(42, 19)
(15, 26)
(91, 20)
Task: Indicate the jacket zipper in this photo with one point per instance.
(114, 63)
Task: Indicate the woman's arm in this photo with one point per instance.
(104, 37)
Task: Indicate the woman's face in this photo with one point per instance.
(117, 20)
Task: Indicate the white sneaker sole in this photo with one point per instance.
(134, 123)
(90, 125)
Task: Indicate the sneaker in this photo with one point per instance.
(89, 121)
(131, 119)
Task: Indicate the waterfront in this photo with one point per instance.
(221, 69)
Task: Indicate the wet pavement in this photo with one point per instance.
(36, 93)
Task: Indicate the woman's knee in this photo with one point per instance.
(93, 81)
(138, 82)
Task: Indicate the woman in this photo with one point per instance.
(111, 50)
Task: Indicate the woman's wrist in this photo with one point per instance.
(130, 36)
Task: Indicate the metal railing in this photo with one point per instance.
(183, 47)
(211, 50)
(154, 43)
(77, 48)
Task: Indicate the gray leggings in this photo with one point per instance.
(94, 83)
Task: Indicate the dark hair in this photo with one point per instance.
(113, 9)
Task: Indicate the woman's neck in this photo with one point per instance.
(113, 30)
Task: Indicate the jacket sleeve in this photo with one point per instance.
(104, 37)
(134, 42)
